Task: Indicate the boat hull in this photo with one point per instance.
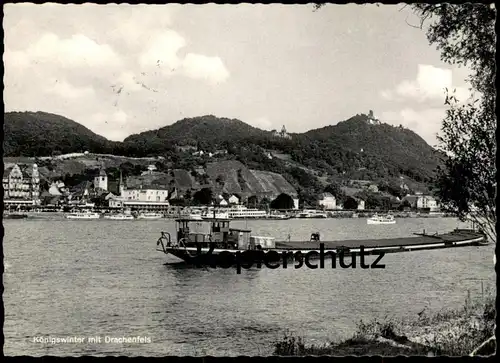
(15, 216)
(290, 250)
(150, 217)
(120, 218)
(84, 217)
(369, 221)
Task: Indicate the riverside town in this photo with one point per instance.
(165, 161)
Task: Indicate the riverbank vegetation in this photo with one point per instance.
(460, 332)
(465, 35)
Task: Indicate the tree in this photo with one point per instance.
(203, 196)
(283, 201)
(252, 201)
(336, 191)
(264, 203)
(466, 185)
(350, 203)
(404, 205)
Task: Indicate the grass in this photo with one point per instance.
(447, 333)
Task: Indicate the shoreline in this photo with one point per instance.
(468, 331)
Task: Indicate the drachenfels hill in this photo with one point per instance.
(360, 148)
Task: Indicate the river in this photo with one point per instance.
(67, 278)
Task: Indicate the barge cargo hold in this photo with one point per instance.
(202, 242)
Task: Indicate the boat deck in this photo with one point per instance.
(456, 236)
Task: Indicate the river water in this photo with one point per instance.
(67, 278)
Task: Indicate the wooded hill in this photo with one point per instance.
(351, 149)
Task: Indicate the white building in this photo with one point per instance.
(361, 204)
(233, 199)
(426, 201)
(21, 184)
(152, 197)
(101, 180)
(54, 189)
(149, 194)
(327, 201)
(421, 201)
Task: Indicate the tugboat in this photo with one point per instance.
(200, 241)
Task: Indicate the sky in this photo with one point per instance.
(124, 69)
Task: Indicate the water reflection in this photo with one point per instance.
(108, 278)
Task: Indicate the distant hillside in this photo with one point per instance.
(208, 130)
(356, 145)
(232, 176)
(256, 162)
(41, 134)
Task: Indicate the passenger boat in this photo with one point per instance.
(376, 219)
(242, 212)
(150, 216)
(83, 215)
(213, 241)
(311, 213)
(120, 217)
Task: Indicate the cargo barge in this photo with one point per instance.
(209, 241)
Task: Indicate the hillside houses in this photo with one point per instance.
(422, 202)
(327, 201)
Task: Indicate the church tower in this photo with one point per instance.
(101, 181)
(122, 185)
(35, 184)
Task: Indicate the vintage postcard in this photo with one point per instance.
(249, 180)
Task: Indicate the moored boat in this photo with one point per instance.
(242, 212)
(120, 217)
(83, 215)
(15, 215)
(150, 215)
(311, 213)
(376, 219)
(278, 217)
(213, 241)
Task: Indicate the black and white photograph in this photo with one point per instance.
(253, 180)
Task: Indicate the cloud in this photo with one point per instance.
(113, 124)
(162, 54)
(262, 123)
(199, 66)
(129, 82)
(430, 85)
(426, 123)
(76, 51)
(64, 89)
